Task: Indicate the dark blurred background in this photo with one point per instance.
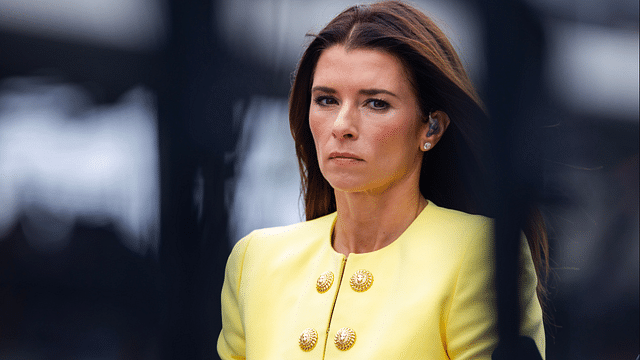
(139, 139)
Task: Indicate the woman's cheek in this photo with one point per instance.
(385, 136)
(316, 133)
(319, 129)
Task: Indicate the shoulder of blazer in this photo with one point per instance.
(320, 224)
(289, 237)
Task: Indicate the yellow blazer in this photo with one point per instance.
(432, 295)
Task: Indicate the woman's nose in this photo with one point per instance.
(344, 126)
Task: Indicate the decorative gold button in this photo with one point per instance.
(324, 282)
(308, 339)
(345, 338)
(361, 280)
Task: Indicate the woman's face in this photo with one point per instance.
(365, 121)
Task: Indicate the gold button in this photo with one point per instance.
(308, 339)
(324, 282)
(345, 338)
(361, 280)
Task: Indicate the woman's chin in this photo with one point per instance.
(355, 186)
(348, 186)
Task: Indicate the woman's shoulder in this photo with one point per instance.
(449, 234)
(297, 229)
(300, 233)
(455, 220)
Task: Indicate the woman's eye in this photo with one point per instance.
(377, 104)
(325, 101)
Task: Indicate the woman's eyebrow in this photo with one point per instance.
(371, 92)
(325, 89)
(368, 92)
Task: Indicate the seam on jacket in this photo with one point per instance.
(241, 301)
(343, 266)
(244, 255)
(469, 244)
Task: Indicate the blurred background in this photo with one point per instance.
(140, 139)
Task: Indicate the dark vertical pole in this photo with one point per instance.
(195, 132)
(514, 44)
(179, 246)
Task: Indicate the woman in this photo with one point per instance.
(386, 125)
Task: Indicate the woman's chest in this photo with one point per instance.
(325, 306)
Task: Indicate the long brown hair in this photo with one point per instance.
(454, 174)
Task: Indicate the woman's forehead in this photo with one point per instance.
(359, 67)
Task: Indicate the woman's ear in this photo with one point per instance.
(436, 125)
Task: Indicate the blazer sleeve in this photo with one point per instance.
(471, 325)
(231, 342)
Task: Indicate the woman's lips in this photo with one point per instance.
(344, 155)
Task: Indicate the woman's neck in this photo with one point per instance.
(367, 222)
